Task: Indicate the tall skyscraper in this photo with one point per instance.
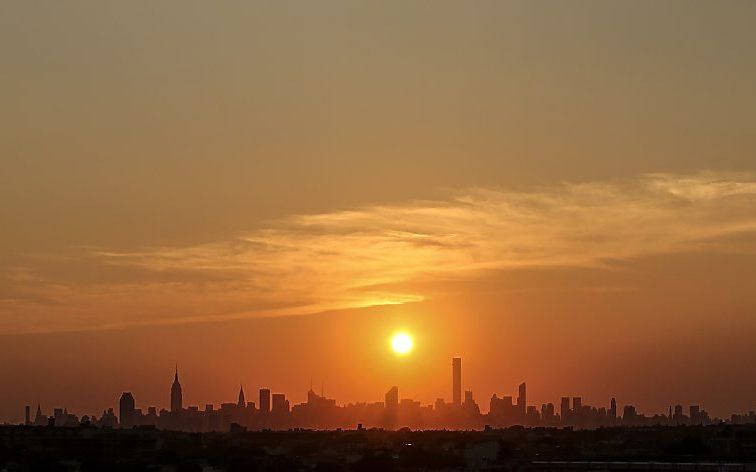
(469, 397)
(39, 418)
(127, 410)
(577, 405)
(265, 400)
(457, 381)
(177, 402)
(564, 409)
(695, 414)
(241, 403)
(280, 403)
(522, 398)
(392, 398)
(613, 409)
(27, 415)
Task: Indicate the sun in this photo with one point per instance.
(402, 344)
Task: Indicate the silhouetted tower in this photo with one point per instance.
(392, 398)
(564, 410)
(391, 407)
(280, 404)
(27, 415)
(613, 409)
(265, 400)
(522, 398)
(39, 419)
(678, 413)
(127, 410)
(695, 414)
(177, 401)
(457, 381)
(241, 401)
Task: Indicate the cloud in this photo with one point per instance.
(381, 254)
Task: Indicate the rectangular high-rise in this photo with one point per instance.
(522, 398)
(264, 400)
(280, 404)
(564, 410)
(577, 405)
(392, 398)
(457, 381)
(469, 397)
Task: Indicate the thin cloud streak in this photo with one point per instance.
(380, 255)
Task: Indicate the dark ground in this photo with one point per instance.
(719, 448)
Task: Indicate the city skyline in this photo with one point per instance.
(273, 410)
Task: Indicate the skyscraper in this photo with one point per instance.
(695, 414)
(177, 401)
(564, 409)
(39, 418)
(469, 397)
(127, 410)
(577, 405)
(241, 403)
(280, 404)
(522, 398)
(392, 398)
(265, 400)
(457, 381)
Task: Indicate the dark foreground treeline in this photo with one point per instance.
(24, 448)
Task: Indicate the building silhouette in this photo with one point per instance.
(127, 410)
(177, 402)
(280, 404)
(241, 402)
(265, 400)
(392, 398)
(564, 410)
(522, 398)
(39, 418)
(457, 381)
(319, 412)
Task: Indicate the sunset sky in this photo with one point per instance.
(562, 193)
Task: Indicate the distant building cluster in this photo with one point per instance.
(274, 412)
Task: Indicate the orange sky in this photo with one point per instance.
(561, 193)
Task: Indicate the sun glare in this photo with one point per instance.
(402, 343)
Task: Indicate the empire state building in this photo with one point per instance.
(176, 398)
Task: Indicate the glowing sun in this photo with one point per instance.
(402, 344)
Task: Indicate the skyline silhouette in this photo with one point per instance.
(274, 411)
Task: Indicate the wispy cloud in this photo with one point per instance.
(376, 255)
